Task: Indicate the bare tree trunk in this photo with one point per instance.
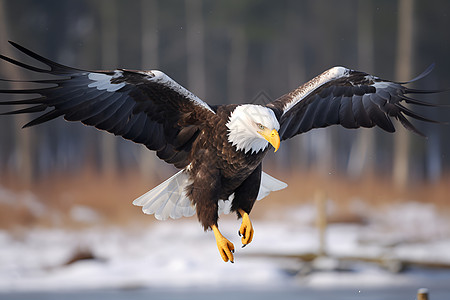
(150, 42)
(362, 151)
(110, 57)
(295, 27)
(23, 138)
(237, 65)
(195, 48)
(322, 141)
(403, 72)
(149, 61)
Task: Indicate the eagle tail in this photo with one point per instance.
(269, 184)
(168, 199)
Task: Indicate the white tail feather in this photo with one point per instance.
(269, 184)
(169, 199)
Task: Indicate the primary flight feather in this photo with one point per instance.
(219, 149)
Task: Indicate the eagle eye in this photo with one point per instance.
(260, 126)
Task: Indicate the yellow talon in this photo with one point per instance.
(246, 229)
(226, 248)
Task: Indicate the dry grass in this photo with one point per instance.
(111, 196)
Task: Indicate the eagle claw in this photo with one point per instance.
(246, 230)
(226, 248)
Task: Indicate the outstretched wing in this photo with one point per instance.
(347, 97)
(146, 107)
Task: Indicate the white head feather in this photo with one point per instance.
(243, 126)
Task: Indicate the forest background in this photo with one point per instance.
(226, 52)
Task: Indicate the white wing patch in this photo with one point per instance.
(163, 79)
(168, 200)
(307, 88)
(382, 84)
(103, 81)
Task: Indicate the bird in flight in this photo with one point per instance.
(218, 149)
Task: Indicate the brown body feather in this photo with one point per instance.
(217, 171)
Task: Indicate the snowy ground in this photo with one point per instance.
(178, 254)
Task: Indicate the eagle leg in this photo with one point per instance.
(226, 248)
(246, 230)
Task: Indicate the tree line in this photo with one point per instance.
(234, 52)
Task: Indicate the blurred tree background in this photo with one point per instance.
(233, 52)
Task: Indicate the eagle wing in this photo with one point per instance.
(350, 98)
(146, 107)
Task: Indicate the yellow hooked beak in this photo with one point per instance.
(272, 137)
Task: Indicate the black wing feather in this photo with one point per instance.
(350, 98)
(377, 116)
(346, 115)
(28, 110)
(145, 107)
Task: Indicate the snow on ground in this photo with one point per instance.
(179, 254)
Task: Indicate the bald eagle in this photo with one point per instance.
(219, 149)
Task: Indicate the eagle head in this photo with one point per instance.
(252, 127)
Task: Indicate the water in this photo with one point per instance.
(396, 293)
